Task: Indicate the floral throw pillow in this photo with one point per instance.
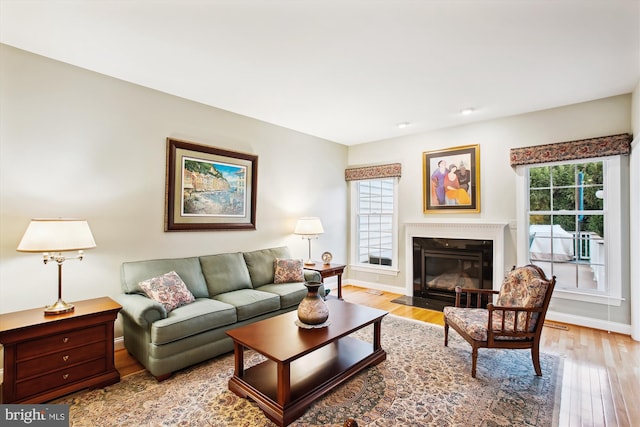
(288, 271)
(522, 287)
(169, 290)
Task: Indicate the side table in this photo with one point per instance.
(329, 270)
(49, 356)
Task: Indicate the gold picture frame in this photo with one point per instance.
(451, 180)
(209, 188)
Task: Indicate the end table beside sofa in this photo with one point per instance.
(49, 356)
(329, 270)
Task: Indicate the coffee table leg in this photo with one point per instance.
(376, 335)
(238, 350)
(284, 383)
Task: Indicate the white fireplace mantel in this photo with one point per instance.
(458, 229)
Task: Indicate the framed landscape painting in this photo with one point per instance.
(451, 180)
(209, 188)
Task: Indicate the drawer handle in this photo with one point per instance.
(65, 340)
(65, 357)
(65, 376)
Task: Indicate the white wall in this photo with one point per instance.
(497, 183)
(74, 143)
(634, 201)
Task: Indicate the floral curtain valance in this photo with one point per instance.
(373, 172)
(612, 145)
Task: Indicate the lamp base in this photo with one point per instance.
(309, 262)
(58, 308)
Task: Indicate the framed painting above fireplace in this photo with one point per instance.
(451, 180)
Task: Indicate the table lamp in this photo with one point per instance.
(309, 228)
(52, 237)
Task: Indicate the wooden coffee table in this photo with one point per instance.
(303, 364)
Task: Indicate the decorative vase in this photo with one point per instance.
(312, 310)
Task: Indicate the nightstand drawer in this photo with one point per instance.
(60, 342)
(51, 362)
(328, 274)
(59, 378)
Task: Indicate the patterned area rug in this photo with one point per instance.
(422, 383)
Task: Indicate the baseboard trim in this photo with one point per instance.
(603, 325)
(377, 286)
(118, 343)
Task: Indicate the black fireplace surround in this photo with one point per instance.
(439, 265)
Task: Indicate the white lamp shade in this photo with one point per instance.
(309, 226)
(57, 235)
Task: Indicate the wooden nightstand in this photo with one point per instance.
(49, 356)
(329, 270)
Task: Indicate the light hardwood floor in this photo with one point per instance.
(601, 374)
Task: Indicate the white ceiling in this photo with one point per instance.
(347, 70)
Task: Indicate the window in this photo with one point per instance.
(572, 214)
(374, 229)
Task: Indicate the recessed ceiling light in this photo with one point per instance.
(403, 125)
(467, 111)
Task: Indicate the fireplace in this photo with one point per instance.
(444, 253)
(439, 265)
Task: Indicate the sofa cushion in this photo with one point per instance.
(288, 271)
(290, 293)
(250, 302)
(167, 289)
(260, 264)
(202, 315)
(132, 273)
(225, 273)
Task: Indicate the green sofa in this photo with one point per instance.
(230, 290)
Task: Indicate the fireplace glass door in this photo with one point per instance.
(443, 270)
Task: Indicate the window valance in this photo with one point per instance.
(373, 172)
(612, 145)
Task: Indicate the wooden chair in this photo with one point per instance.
(514, 322)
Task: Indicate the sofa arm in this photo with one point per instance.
(312, 276)
(142, 310)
